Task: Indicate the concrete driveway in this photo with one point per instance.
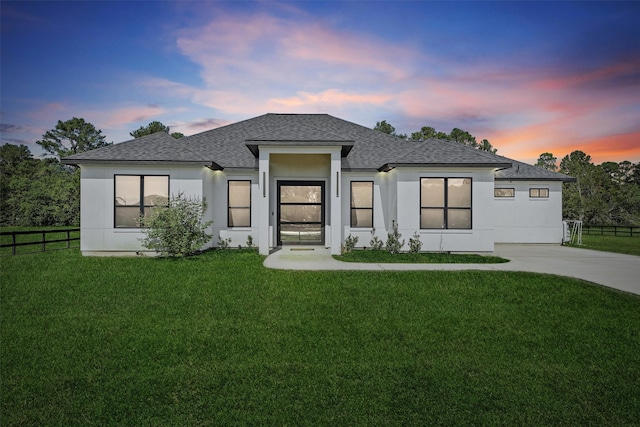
(605, 268)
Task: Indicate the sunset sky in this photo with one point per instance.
(531, 77)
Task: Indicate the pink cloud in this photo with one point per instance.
(611, 71)
(258, 59)
(126, 115)
(332, 97)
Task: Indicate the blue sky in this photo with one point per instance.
(529, 76)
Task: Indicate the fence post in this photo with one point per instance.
(68, 237)
(13, 239)
(44, 245)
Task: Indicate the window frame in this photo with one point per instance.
(141, 205)
(352, 208)
(513, 192)
(538, 191)
(229, 207)
(446, 208)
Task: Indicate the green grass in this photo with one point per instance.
(26, 238)
(617, 244)
(220, 340)
(382, 256)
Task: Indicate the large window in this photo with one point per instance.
(137, 196)
(362, 204)
(239, 197)
(445, 203)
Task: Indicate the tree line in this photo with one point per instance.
(42, 192)
(605, 194)
(426, 132)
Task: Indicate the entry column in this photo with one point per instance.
(335, 202)
(263, 204)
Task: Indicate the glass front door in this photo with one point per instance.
(300, 212)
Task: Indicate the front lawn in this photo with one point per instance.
(220, 340)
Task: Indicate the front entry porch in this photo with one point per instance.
(299, 200)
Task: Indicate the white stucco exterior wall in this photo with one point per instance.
(217, 194)
(97, 203)
(479, 238)
(522, 219)
(397, 198)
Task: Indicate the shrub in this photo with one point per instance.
(349, 243)
(176, 230)
(375, 242)
(415, 244)
(250, 241)
(393, 239)
(224, 243)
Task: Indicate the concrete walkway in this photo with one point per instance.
(604, 268)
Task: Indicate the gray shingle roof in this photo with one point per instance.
(525, 172)
(159, 147)
(236, 146)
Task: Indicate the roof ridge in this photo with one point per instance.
(335, 137)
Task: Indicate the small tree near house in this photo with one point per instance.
(177, 230)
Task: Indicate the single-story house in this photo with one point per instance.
(314, 179)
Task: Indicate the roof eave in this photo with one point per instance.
(536, 178)
(498, 166)
(138, 162)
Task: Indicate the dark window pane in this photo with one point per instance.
(362, 194)
(301, 194)
(362, 217)
(432, 218)
(127, 216)
(239, 194)
(239, 217)
(432, 192)
(127, 190)
(459, 192)
(459, 219)
(301, 213)
(300, 233)
(156, 190)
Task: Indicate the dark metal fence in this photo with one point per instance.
(17, 239)
(611, 230)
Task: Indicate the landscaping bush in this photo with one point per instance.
(393, 239)
(176, 230)
(415, 244)
(375, 242)
(349, 243)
